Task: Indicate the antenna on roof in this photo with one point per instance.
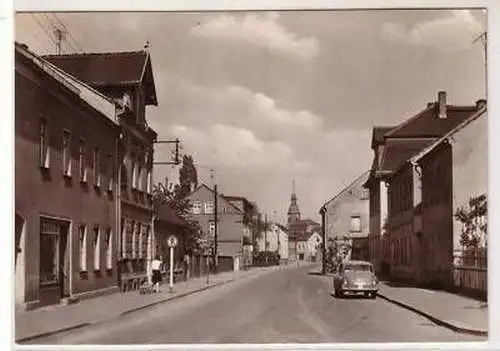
(60, 36)
(146, 46)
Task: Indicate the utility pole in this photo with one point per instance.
(60, 37)
(484, 38)
(215, 222)
(265, 235)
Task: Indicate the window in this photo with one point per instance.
(134, 175)
(134, 239)
(97, 249)
(110, 172)
(141, 241)
(44, 144)
(97, 171)
(355, 224)
(125, 225)
(109, 249)
(196, 207)
(66, 166)
(211, 229)
(49, 252)
(82, 240)
(149, 181)
(82, 167)
(209, 207)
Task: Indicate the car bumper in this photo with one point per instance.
(360, 289)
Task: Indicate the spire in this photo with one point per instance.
(293, 209)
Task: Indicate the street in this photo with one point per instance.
(284, 305)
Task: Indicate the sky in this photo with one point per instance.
(265, 98)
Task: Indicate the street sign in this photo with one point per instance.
(172, 241)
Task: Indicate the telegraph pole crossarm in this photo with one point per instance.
(176, 155)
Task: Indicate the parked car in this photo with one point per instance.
(356, 277)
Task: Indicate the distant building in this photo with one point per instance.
(66, 150)
(127, 78)
(346, 218)
(277, 241)
(230, 227)
(302, 243)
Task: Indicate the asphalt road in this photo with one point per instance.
(281, 306)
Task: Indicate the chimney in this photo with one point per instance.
(442, 104)
(480, 104)
(430, 104)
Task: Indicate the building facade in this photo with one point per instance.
(277, 241)
(394, 146)
(346, 217)
(66, 142)
(230, 226)
(127, 78)
(420, 225)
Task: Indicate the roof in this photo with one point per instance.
(299, 229)
(167, 215)
(96, 100)
(427, 124)
(110, 69)
(462, 125)
(378, 135)
(237, 198)
(397, 152)
(282, 227)
(359, 180)
(223, 197)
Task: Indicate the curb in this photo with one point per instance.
(440, 322)
(126, 312)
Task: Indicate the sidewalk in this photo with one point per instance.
(59, 318)
(455, 312)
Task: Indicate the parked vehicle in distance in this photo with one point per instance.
(355, 277)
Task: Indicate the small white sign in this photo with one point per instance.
(172, 241)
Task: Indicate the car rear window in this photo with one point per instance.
(358, 267)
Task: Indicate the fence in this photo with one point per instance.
(470, 272)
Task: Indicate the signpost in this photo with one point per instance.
(172, 243)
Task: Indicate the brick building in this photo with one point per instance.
(440, 179)
(127, 78)
(402, 251)
(66, 141)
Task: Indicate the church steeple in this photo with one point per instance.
(293, 209)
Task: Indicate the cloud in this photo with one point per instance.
(264, 31)
(235, 147)
(237, 106)
(453, 32)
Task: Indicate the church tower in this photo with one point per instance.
(293, 209)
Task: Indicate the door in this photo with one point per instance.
(54, 275)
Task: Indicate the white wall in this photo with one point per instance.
(470, 166)
(384, 205)
(272, 238)
(20, 273)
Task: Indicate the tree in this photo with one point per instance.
(472, 228)
(188, 177)
(175, 197)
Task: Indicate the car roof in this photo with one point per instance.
(357, 262)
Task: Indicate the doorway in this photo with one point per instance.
(54, 261)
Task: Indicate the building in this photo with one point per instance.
(301, 242)
(346, 218)
(66, 145)
(425, 129)
(308, 246)
(127, 78)
(436, 182)
(277, 241)
(399, 144)
(230, 226)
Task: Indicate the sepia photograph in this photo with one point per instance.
(251, 177)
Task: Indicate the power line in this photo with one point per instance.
(77, 44)
(40, 24)
(62, 32)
